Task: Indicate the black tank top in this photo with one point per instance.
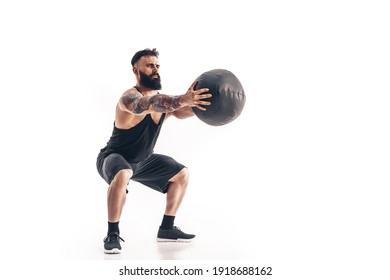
(137, 143)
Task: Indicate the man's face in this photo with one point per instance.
(148, 68)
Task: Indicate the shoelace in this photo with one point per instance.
(177, 228)
(114, 235)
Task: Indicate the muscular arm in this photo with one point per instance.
(134, 102)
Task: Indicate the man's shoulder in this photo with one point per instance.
(132, 91)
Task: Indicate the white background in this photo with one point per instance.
(298, 182)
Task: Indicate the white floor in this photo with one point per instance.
(218, 235)
(138, 247)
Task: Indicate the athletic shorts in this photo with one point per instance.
(154, 172)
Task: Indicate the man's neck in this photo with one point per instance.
(145, 90)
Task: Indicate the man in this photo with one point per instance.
(140, 113)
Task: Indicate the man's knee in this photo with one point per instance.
(182, 177)
(122, 177)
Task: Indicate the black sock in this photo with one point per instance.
(113, 227)
(167, 222)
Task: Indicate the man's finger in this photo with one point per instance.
(193, 85)
(201, 108)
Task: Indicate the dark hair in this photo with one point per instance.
(145, 52)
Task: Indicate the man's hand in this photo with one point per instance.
(194, 98)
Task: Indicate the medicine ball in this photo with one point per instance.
(228, 98)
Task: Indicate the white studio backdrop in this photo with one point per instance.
(299, 179)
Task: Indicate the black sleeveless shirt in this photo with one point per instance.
(134, 144)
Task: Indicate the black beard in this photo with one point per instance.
(149, 81)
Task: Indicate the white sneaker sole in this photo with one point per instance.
(113, 251)
(179, 240)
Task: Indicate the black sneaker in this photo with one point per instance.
(173, 235)
(112, 243)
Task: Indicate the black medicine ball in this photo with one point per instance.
(228, 98)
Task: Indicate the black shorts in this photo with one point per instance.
(154, 172)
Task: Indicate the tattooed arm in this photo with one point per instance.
(134, 102)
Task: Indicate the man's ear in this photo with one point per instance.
(135, 70)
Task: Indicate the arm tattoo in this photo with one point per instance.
(164, 103)
(160, 103)
(130, 102)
